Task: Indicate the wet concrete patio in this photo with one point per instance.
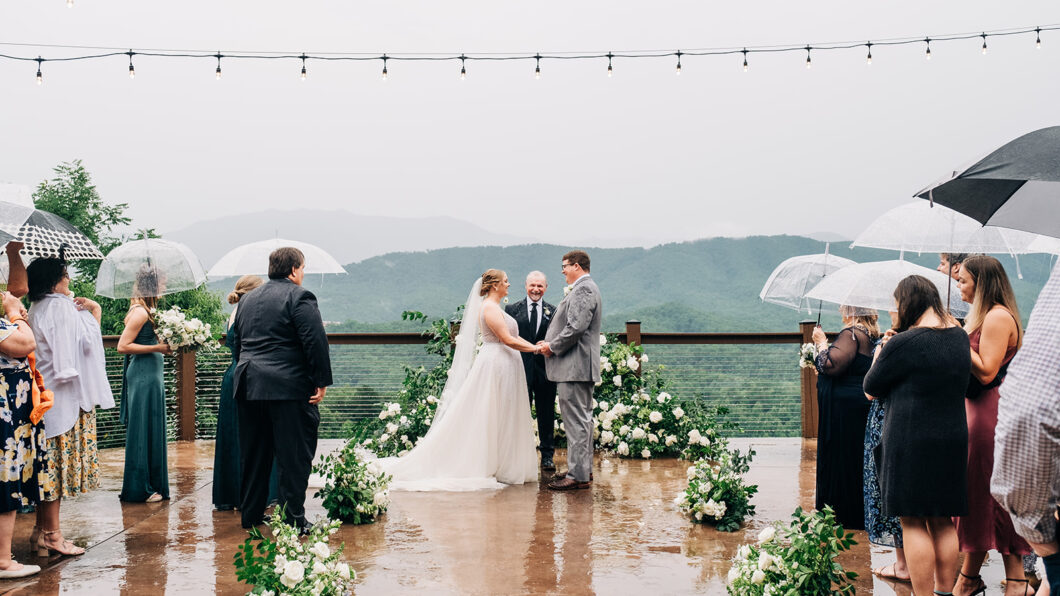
(622, 537)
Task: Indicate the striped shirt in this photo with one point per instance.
(1026, 478)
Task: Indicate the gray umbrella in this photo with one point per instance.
(1017, 186)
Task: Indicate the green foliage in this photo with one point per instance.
(799, 559)
(355, 489)
(716, 491)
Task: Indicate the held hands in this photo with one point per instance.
(318, 397)
(543, 349)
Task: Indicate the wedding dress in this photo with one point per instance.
(482, 434)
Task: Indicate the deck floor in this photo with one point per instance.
(622, 537)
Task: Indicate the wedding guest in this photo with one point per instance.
(283, 370)
(226, 469)
(22, 455)
(950, 263)
(884, 530)
(995, 334)
(922, 371)
(1027, 437)
(143, 395)
(71, 361)
(533, 315)
(843, 412)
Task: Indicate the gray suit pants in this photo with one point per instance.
(576, 406)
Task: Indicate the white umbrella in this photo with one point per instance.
(16, 205)
(871, 285)
(173, 265)
(253, 259)
(920, 227)
(789, 282)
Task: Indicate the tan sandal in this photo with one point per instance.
(155, 498)
(65, 547)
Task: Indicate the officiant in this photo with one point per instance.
(533, 315)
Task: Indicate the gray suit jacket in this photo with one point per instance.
(574, 336)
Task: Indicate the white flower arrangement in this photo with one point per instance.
(716, 492)
(356, 489)
(808, 355)
(286, 565)
(174, 328)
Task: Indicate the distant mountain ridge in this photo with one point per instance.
(346, 236)
(705, 285)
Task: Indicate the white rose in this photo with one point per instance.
(394, 408)
(758, 577)
(617, 380)
(384, 438)
(670, 440)
(391, 428)
(321, 550)
(655, 417)
(734, 574)
(280, 562)
(623, 449)
(607, 437)
(603, 405)
(694, 436)
(379, 499)
(678, 412)
(643, 358)
(767, 534)
(638, 433)
(704, 441)
(606, 424)
(744, 552)
(428, 421)
(344, 570)
(632, 363)
(623, 430)
(383, 414)
(652, 438)
(603, 339)
(318, 568)
(432, 399)
(606, 366)
(664, 397)
(699, 515)
(691, 472)
(293, 573)
(646, 453)
(167, 333)
(403, 420)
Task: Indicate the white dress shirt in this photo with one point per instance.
(70, 358)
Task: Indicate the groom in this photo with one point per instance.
(533, 315)
(572, 348)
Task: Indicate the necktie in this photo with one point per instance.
(533, 317)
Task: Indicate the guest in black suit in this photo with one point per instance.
(533, 315)
(283, 370)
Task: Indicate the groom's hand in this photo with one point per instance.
(544, 348)
(318, 397)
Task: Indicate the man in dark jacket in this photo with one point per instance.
(282, 372)
(533, 315)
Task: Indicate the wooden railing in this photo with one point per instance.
(186, 362)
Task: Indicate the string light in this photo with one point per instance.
(678, 62)
(745, 59)
(132, 71)
(1038, 38)
(537, 67)
(463, 71)
(218, 71)
(384, 66)
(927, 53)
(40, 79)
(984, 44)
(609, 70)
(808, 62)
(303, 66)
(868, 59)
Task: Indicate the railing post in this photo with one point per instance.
(633, 337)
(454, 330)
(809, 387)
(186, 395)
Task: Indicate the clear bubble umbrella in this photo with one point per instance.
(149, 267)
(253, 259)
(789, 282)
(871, 285)
(16, 205)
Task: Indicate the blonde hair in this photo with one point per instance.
(867, 321)
(992, 288)
(243, 285)
(491, 279)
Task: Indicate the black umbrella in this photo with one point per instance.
(1016, 186)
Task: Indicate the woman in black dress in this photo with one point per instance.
(922, 371)
(842, 414)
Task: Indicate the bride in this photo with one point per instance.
(482, 435)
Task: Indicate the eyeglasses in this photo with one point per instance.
(565, 265)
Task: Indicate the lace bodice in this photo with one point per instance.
(489, 337)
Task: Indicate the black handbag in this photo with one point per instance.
(976, 388)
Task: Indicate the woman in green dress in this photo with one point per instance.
(143, 396)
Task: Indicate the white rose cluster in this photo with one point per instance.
(176, 329)
(313, 567)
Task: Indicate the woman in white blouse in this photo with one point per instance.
(71, 360)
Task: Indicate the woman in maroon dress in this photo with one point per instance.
(995, 333)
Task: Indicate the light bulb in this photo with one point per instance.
(303, 73)
(40, 79)
(463, 73)
(868, 58)
(984, 44)
(1038, 39)
(218, 72)
(927, 52)
(303, 57)
(384, 72)
(132, 71)
(745, 60)
(609, 70)
(537, 72)
(679, 63)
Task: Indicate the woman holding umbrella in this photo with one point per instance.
(143, 395)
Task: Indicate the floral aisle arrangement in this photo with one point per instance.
(808, 355)
(397, 429)
(284, 564)
(794, 560)
(176, 329)
(716, 491)
(642, 425)
(356, 489)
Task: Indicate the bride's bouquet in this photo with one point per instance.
(808, 355)
(183, 334)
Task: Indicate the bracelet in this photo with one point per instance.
(15, 320)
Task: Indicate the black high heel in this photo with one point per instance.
(1026, 588)
(982, 584)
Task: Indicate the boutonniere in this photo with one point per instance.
(567, 290)
(548, 312)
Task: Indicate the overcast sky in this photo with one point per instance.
(644, 154)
